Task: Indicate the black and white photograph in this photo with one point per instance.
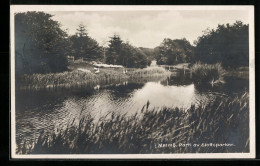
(132, 82)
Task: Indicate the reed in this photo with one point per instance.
(213, 73)
(149, 72)
(224, 120)
(78, 78)
(73, 78)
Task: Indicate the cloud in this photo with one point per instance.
(147, 28)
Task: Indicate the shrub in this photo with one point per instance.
(205, 73)
(228, 44)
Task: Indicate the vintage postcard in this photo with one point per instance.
(132, 82)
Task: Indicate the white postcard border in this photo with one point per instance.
(24, 8)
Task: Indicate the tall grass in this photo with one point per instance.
(148, 72)
(223, 121)
(77, 78)
(212, 73)
(73, 78)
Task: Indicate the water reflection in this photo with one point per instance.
(168, 96)
(178, 79)
(232, 86)
(49, 110)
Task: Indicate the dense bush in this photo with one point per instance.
(41, 46)
(228, 44)
(205, 73)
(120, 53)
(171, 52)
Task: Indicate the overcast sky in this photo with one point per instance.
(147, 28)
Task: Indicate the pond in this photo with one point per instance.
(54, 109)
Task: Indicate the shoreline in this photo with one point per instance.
(80, 78)
(88, 78)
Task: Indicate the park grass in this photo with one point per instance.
(224, 121)
(207, 73)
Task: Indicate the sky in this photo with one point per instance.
(146, 28)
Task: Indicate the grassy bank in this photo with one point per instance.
(73, 78)
(148, 72)
(224, 122)
(77, 77)
(207, 73)
(84, 74)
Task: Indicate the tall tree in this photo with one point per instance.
(134, 57)
(171, 52)
(228, 44)
(114, 50)
(82, 32)
(83, 46)
(40, 44)
(150, 53)
(125, 54)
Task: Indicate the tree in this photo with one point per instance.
(115, 50)
(142, 59)
(228, 44)
(82, 46)
(40, 44)
(171, 52)
(150, 54)
(82, 32)
(136, 57)
(121, 53)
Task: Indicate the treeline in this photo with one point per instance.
(41, 46)
(121, 53)
(171, 52)
(228, 45)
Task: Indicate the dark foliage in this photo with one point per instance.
(82, 46)
(207, 73)
(172, 52)
(150, 53)
(40, 44)
(228, 45)
(121, 53)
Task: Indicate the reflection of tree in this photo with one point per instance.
(124, 90)
(232, 86)
(148, 79)
(178, 80)
(41, 98)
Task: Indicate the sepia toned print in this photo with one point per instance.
(132, 82)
